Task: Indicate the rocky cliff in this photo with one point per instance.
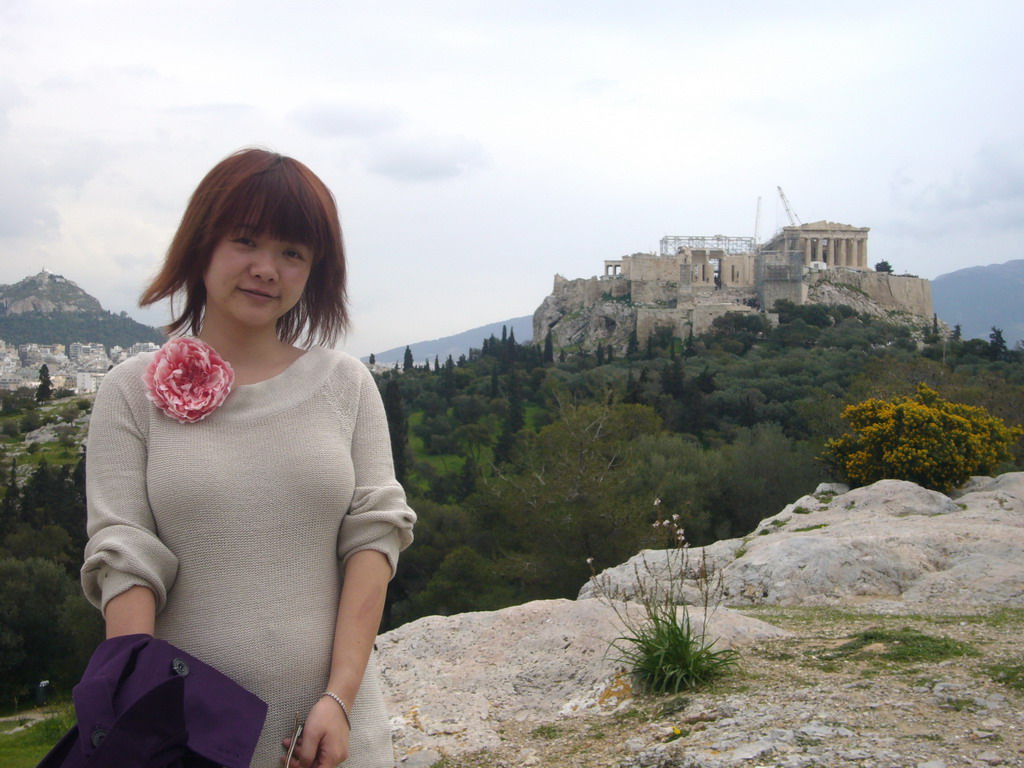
(45, 293)
(589, 312)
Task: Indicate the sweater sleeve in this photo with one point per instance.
(124, 548)
(379, 517)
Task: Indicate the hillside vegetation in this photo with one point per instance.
(523, 462)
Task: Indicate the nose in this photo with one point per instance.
(263, 265)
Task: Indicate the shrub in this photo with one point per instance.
(924, 439)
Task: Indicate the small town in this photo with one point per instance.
(78, 367)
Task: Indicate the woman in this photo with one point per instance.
(242, 499)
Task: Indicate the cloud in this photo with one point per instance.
(339, 119)
(225, 111)
(10, 97)
(34, 178)
(427, 158)
(987, 194)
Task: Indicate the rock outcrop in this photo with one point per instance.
(453, 680)
(892, 543)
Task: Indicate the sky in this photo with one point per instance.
(477, 148)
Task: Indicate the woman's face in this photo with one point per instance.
(253, 280)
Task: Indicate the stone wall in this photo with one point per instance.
(644, 266)
(649, 319)
(894, 293)
(704, 315)
(661, 294)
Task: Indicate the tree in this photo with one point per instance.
(883, 266)
(549, 348)
(373, 358)
(45, 389)
(407, 363)
(632, 344)
(398, 426)
(32, 594)
(996, 344)
(924, 439)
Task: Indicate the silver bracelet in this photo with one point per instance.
(341, 704)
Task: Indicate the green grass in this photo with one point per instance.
(1009, 673)
(546, 732)
(902, 646)
(810, 527)
(26, 748)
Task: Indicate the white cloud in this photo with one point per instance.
(425, 159)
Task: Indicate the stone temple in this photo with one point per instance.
(693, 280)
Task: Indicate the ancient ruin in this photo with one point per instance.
(692, 280)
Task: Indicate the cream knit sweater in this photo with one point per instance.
(241, 523)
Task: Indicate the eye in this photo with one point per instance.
(244, 241)
(294, 253)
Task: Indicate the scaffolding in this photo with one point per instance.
(673, 244)
(776, 267)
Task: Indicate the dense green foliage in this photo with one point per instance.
(99, 327)
(47, 629)
(524, 461)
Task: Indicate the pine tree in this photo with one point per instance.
(673, 383)
(549, 348)
(996, 344)
(373, 358)
(633, 345)
(9, 507)
(515, 420)
(45, 389)
(398, 427)
(407, 363)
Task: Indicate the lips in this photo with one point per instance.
(254, 292)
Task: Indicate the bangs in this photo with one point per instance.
(276, 203)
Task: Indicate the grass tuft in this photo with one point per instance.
(667, 656)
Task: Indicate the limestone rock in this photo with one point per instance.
(892, 542)
(454, 679)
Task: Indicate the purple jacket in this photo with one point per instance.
(142, 703)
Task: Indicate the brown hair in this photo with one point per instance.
(274, 196)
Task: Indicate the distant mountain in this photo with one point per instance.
(50, 309)
(979, 298)
(459, 344)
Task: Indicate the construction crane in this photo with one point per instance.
(757, 220)
(794, 220)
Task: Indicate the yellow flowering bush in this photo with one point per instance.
(925, 439)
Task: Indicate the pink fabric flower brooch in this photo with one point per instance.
(188, 380)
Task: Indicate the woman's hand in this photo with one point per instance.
(324, 740)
